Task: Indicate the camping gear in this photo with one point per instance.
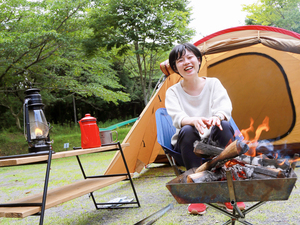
(117, 125)
(89, 132)
(114, 202)
(155, 216)
(165, 130)
(106, 136)
(259, 66)
(36, 128)
(233, 191)
(236, 148)
(247, 189)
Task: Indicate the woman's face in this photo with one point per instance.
(188, 64)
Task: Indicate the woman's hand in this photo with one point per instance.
(215, 121)
(200, 123)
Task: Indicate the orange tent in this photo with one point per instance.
(260, 68)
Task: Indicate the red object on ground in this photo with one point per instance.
(197, 208)
(229, 207)
(90, 137)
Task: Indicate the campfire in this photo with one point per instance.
(235, 174)
(240, 158)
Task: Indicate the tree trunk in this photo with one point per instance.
(16, 116)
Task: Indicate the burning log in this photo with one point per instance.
(276, 173)
(263, 160)
(238, 173)
(204, 150)
(231, 151)
(205, 176)
(259, 176)
(296, 156)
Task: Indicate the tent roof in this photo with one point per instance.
(248, 31)
(244, 36)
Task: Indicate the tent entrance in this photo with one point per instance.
(258, 87)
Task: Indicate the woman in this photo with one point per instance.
(199, 106)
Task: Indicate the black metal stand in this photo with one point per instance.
(43, 203)
(237, 214)
(113, 175)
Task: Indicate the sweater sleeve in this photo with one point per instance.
(174, 107)
(221, 102)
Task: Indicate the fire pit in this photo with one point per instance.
(260, 191)
(210, 186)
(218, 191)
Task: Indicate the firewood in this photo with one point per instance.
(204, 150)
(263, 160)
(231, 151)
(258, 176)
(204, 176)
(276, 173)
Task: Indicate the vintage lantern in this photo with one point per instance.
(36, 128)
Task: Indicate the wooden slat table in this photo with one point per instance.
(58, 155)
(66, 193)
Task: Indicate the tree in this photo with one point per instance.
(278, 13)
(41, 46)
(140, 28)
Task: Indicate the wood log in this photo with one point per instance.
(204, 150)
(277, 163)
(263, 160)
(258, 176)
(275, 173)
(204, 176)
(231, 151)
(256, 161)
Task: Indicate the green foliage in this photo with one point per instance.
(142, 30)
(41, 46)
(278, 13)
(13, 142)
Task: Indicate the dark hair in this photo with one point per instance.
(179, 51)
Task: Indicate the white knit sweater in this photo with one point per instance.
(212, 100)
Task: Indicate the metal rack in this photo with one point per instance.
(39, 208)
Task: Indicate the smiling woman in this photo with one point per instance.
(200, 108)
(199, 104)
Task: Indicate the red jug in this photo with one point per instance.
(90, 137)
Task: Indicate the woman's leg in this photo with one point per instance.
(222, 137)
(185, 146)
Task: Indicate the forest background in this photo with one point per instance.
(100, 57)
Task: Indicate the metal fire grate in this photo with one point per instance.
(258, 190)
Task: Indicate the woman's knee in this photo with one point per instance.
(188, 134)
(222, 136)
(187, 129)
(227, 128)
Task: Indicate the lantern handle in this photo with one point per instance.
(26, 119)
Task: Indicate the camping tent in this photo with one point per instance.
(260, 68)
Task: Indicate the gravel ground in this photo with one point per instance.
(151, 189)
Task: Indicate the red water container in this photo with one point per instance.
(90, 137)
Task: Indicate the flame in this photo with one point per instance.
(253, 143)
(294, 160)
(38, 132)
(244, 132)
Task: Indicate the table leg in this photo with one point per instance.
(45, 188)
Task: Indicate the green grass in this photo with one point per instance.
(13, 142)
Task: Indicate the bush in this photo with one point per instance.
(14, 143)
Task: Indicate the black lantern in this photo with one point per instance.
(36, 128)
